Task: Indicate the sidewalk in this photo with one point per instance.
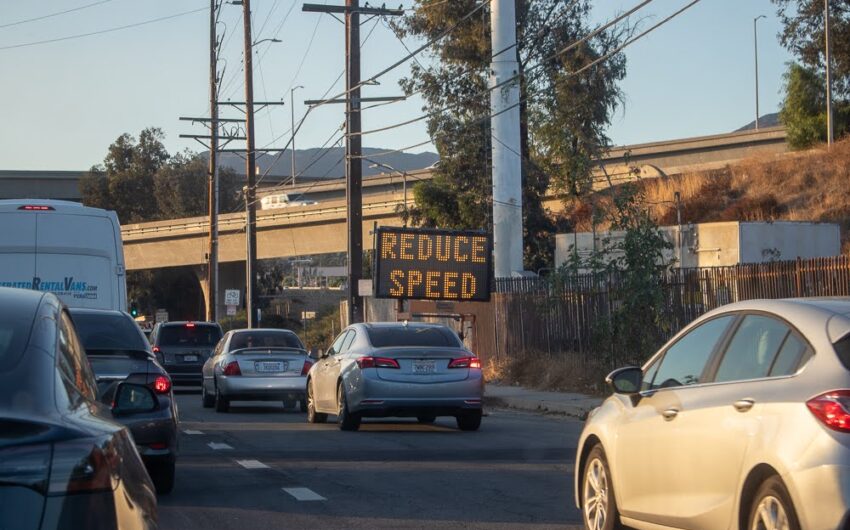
(517, 397)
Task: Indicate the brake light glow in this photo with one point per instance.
(158, 445)
(377, 362)
(162, 385)
(190, 324)
(232, 368)
(306, 367)
(35, 208)
(832, 409)
(156, 349)
(465, 362)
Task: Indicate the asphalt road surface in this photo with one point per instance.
(260, 466)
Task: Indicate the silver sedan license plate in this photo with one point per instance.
(423, 367)
(270, 366)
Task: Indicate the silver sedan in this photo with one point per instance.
(396, 369)
(256, 365)
(741, 421)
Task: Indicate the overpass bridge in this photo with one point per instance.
(321, 228)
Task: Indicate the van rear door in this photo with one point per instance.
(17, 251)
(75, 259)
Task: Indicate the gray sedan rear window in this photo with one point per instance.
(413, 336)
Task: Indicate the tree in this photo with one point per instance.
(803, 35)
(803, 110)
(181, 187)
(125, 181)
(563, 115)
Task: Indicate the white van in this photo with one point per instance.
(65, 248)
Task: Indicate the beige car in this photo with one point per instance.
(741, 421)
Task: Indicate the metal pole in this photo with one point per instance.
(829, 125)
(353, 165)
(505, 129)
(756, 54)
(212, 271)
(292, 115)
(250, 169)
(404, 191)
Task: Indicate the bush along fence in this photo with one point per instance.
(596, 319)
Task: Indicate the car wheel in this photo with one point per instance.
(772, 508)
(206, 399)
(469, 421)
(347, 421)
(312, 415)
(599, 507)
(162, 476)
(222, 404)
(426, 418)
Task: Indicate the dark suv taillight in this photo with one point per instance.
(832, 409)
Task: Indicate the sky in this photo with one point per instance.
(65, 102)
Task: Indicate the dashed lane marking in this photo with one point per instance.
(218, 446)
(189, 431)
(252, 464)
(304, 494)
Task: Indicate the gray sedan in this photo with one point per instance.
(396, 369)
(256, 365)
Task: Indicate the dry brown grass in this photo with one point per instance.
(544, 372)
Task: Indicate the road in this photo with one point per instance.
(247, 469)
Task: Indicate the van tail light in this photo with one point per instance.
(232, 368)
(832, 409)
(465, 362)
(377, 362)
(83, 465)
(306, 367)
(161, 385)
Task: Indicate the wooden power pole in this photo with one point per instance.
(212, 272)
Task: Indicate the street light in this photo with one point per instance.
(292, 114)
(404, 182)
(266, 40)
(756, 52)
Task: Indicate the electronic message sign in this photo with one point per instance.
(427, 264)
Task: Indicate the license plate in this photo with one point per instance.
(423, 367)
(270, 366)
(190, 358)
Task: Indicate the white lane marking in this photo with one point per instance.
(252, 464)
(304, 494)
(217, 446)
(189, 431)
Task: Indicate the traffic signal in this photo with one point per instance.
(134, 310)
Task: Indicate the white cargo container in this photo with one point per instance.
(724, 243)
(65, 248)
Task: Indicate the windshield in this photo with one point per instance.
(265, 339)
(185, 335)
(108, 332)
(413, 336)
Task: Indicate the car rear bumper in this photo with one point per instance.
(252, 388)
(182, 374)
(380, 398)
(821, 496)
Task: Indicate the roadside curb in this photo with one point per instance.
(574, 410)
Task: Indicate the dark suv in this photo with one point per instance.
(183, 348)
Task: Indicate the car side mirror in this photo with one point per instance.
(133, 398)
(625, 380)
(326, 353)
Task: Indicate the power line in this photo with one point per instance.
(54, 14)
(110, 30)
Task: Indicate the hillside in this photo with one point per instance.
(801, 186)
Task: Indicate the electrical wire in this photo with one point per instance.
(54, 14)
(100, 32)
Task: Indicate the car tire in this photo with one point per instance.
(310, 405)
(162, 475)
(469, 421)
(222, 404)
(772, 507)
(347, 420)
(206, 400)
(600, 512)
(426, 418)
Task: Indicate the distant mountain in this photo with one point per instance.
(768, 120)
(328, 163)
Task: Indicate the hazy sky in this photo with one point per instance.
(64, 102)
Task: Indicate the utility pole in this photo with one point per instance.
(212, 272)
(353, 146)
(292, 116)
(505, 125)
(250, 169)
(756, 53)
(829, 125)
